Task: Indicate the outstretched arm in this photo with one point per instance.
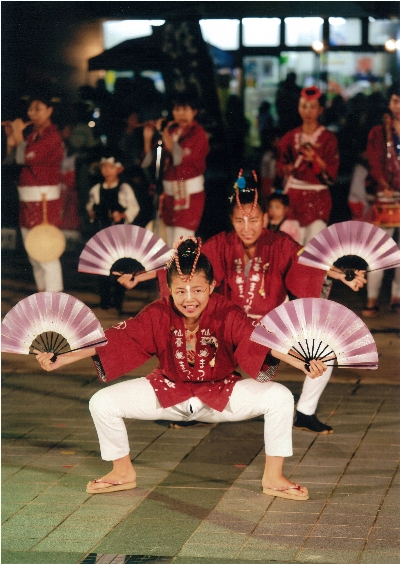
(44, 359)
(317, 367)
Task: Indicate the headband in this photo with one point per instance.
(110, 160)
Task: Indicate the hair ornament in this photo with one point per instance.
(187, 253)
(311, 93)
(241, 186)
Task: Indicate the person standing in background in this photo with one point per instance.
(40, 155)
(308, 163)
(185, 148)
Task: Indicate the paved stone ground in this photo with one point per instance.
(199, 498)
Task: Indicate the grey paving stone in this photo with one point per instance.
(328, 556)
(377, 557)
(9, 557)
(341, 531)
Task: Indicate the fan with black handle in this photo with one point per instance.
(50, 322)
(125, 248)
(318, 329)
(350, 246)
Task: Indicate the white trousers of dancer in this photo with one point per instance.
(136, 399)
(312, 391)
(375, 277)
(310, 231)
(48, 275)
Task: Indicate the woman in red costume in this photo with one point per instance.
(199, 338)
(308, 163)
(41, 155)
(383, 155)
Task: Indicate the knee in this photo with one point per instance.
(283, 398)
(99, 403)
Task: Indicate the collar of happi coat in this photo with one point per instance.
(206, 346)
(251, 287)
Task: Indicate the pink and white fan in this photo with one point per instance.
(318, 329)
(351, 245)
(117, 242)
(50, 322)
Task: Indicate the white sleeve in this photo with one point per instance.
(127, 199)
(94, 198)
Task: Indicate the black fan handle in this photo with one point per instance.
(53, 358)
(349, 274)
(307, 366)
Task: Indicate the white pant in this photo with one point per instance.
(48, 275)
(136, 399)
(375, 278)
(312, 391)
(309, 231)
(173, 234)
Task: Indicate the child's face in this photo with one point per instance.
(191, 298)
(276, 210)
(184, 115)
(309, 110)
(249, 229)
(110, 172)
(39, 113)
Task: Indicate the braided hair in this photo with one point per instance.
(188, 260)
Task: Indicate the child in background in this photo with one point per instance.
(111, 202)
(277, 209)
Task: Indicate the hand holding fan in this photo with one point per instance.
(351, 245)
(318, 329)
(138, 248)
(50, 322)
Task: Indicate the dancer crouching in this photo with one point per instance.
(200, 339)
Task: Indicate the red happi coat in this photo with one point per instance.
(275, 262)
(223, 343)
(43, 157)
(194, 144)
(309, 205)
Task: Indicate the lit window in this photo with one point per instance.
(303, 31)
(344, 31)
(223, 34)
(261, 32)
(117, 31)
(380, 31)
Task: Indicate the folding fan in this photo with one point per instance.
(351, 245)
(50, 322)
(318, 329)
(117, 242)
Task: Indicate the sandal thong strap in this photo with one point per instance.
(111, 482)
(284, 489)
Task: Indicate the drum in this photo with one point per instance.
(386, 212)
(45, 243)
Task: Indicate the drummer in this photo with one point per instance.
(383, 155)
(41, 155)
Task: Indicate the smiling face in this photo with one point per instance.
(249, 229)
(191, 298)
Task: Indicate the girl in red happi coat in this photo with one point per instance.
(200, 339)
